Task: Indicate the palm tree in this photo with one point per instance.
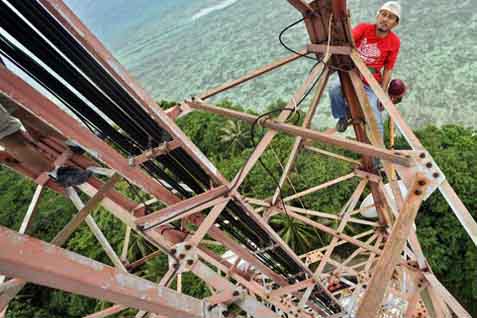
(234, 135)
(299, 236)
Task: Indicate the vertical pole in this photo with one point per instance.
(374, 296)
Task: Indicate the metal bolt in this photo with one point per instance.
(429, 165)
(236, 293)
(422, 155)
(418, 192)
(188, 247)
(422, 183)
(182, 256)
(190, 262)
(436, 175)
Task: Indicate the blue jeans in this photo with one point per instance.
(339, 108)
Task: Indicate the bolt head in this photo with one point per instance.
(429, 165)
(190, 262)
(418, 192)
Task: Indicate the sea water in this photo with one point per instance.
(180, 48)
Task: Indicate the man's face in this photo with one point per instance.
(386, 21)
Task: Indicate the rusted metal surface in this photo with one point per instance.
(370, 264)
(178, 210)
(27, 97)
(75, 273)
(348, 144)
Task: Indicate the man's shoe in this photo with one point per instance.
(342, 125)
(71, 176)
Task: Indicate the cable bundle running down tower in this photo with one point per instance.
(127, 136)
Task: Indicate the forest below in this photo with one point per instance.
(450, 252)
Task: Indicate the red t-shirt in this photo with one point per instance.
(376, 52)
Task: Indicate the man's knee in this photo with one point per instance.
(8, 125)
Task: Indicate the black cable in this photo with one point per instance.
(286, 29)
(268, 114)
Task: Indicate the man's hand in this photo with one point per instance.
(395, 99)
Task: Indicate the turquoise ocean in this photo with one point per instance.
(180, 48)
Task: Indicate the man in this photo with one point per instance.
(379, 48)
(13, 139)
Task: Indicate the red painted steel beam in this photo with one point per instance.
(172, 212)
(301, 6)
(83, 35)
(358, 147)
(77, 274)
(33, 101)
(261, 71)
(339, 8)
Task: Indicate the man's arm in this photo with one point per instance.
(387, 75)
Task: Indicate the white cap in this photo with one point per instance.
(392, 6)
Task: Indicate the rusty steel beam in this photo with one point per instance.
(253, 74)
(462, 213)
(179, 210)
(77, 274)
(28, 98)
(301, 6)
(348, 144)
(154, 152)
(83, 35)
(376, 291)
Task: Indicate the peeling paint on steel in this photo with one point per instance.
(84, 261)
(48, 248)
(128, 281)
(16, 238)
